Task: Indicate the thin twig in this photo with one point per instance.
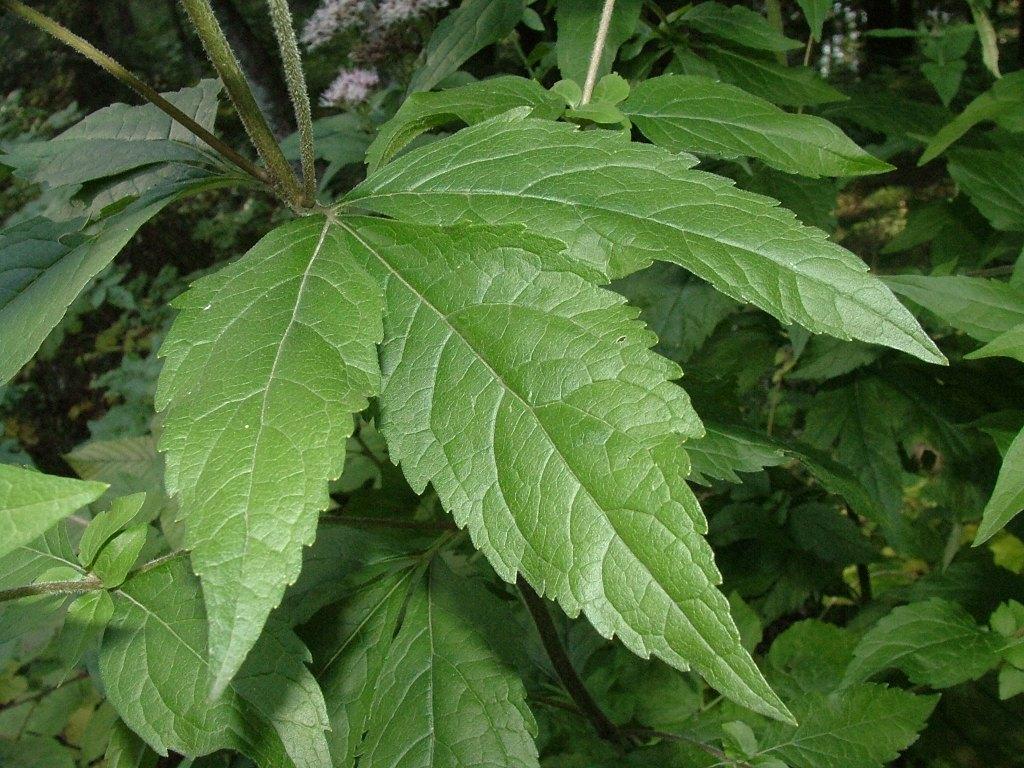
(118, 71)
(369, 451)
(566, 672)
(864, 579)
(390, 522)
(75, 587)
(296, 80)
(230, 71)
(807, 62)
(595, 55)
(41, 694)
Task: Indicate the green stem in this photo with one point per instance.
(522, 57)
(390, 522)
(774, 11)
(77, 587)
(595, 55)
(230, 71)
(296, 80)
(118, 71)
(566, 672)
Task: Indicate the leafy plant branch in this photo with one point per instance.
(70, 587)
(121, 73)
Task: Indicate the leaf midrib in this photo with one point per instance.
(263, 415)
(812, 131)
(728, 290)
(568, 465)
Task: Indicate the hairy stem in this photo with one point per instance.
(566, 672)
(118, 71)
(262, 73)
(296, 80)
(227, 66)
(77, 587)
(595, 55)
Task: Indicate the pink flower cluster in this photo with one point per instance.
(351, 86)
(332, 17)
(390, 12)
(335, 16)
(380, 23)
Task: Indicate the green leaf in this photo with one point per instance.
(860, 419)
(812, 200)
(821, 530)
(1008, 497)
(680, 309)
(35, 752)
(786, 86)
(1011, 682)
(350, 641)
(610, 89)
(987, 36)
(154, 670)
(344, 558)
(739, 740)
(118, 139)
(738, 24)
(994, 180)
(469, 104)
(643, 204)
(41, 273)
(884, 112)
(340, 140)
(472, 26)
(505, 388)
(945, 77)
(126, 750)
(864, 726)
(577, 22)
(1007, 344)
(815, 12)
(604, 114)
(825, 358)
(923, 225)
(935, 642)
(265, 365)
(811, 656)
(118, 555)
(129, 464)
(1002, 103)
(568, 91)
(86, 619)
(981, 308)
(103, 527)
(50, 553)
(725, 450)
(31, 503)
(444, 697)
(697, 114)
